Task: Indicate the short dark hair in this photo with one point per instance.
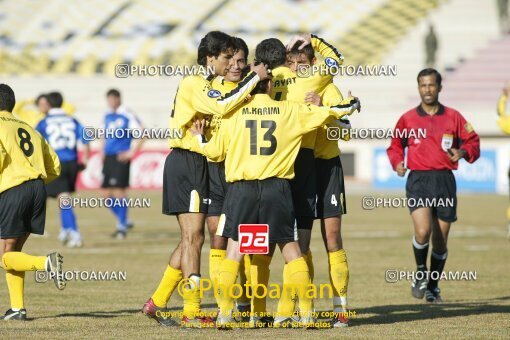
(308, 51)
(261, 86)
(113, 92)
(39, 97)
(7, 98)
(428, 72)
(271, 52)
(240, 45)
(212, 44)
(55, 99)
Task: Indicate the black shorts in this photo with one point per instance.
(434, 189)
(115, 172)
(267, 201)
(303, 184)
(217, 187)
(66, 182)
(23, 209)
(330, 188)
(185, 183)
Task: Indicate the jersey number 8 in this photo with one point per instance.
(25, 142)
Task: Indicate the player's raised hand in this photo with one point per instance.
(401, 169)
(303, 40)
(313, 98)
(261, 69)
(358, 102)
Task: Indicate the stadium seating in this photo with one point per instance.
(94, 36)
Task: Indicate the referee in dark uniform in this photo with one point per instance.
(449, 137)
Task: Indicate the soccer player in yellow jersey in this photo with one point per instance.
(27, 162)
(293, 80)
(261, 141)
(185, 181)
(504, 125)
(331, 203)
(218, 184)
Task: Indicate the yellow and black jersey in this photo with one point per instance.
(325, 148)
(220, 84)
(261, 139)
(195, 98)
(504, 119)
(24, 154)
(288, 85)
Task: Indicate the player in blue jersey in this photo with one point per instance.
(119, 149)
(63, 132)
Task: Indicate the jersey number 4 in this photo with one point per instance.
(270, 125)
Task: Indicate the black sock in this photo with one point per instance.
(420, 255)
(437, 262)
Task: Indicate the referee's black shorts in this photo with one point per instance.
(23, 209)
(115, 173)
(267, 201)
(303, 185)
(217, 187)
(66, 182)
(185, 183)
(330, 188)
(434, 189)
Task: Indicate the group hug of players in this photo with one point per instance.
(255, 151)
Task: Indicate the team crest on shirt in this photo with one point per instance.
(213, 93)
(447, 142)
(331, 62)
(468, 127)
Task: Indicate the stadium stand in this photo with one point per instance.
(91, 38)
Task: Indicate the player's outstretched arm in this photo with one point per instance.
(207, 100)
(311, 116)
(346, 107)
(331, 97)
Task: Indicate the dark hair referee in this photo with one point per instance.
(431, 183)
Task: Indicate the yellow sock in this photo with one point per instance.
(309, 262)
(22, 262)
(170, 280)
(259, 275)
(339, 273)
(247, 266)
(216, 256)
(227, 277)
(191, 297)
(337, 305)
(244, 300)
(286, 302)
(15, 284)
(299, 277)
